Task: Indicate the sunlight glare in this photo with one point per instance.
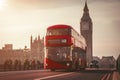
(2, 2)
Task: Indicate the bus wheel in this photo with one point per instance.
(52, 69)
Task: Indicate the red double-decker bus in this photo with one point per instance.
(64, 48)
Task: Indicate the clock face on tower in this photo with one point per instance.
(85, 26)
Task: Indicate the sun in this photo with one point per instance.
(2, 3)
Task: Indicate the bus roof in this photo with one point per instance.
(59, 26)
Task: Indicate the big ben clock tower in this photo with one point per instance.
(86, 31)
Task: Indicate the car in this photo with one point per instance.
(94, 64)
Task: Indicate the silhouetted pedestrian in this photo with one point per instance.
(5, 65)
(26, 64)
(16, 64)
(38, 64)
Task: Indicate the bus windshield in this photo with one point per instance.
(61, 31)
(58, 53)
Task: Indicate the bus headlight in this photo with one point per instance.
(46, 64)
(63, 40)
(68, 64)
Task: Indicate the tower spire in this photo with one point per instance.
(86, 16)
(86, 7)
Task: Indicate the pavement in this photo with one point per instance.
(116, 75)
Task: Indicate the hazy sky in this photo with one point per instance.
(19, 19)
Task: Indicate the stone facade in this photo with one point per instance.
(37, 48)
(36, 52)
(18, 54)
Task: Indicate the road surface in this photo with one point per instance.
(57, 75)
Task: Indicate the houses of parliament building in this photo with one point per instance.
(34, 53)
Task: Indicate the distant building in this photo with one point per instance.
(35, 52)
(8, 47)
(37, 48)
(18, 54)
(108, 62)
